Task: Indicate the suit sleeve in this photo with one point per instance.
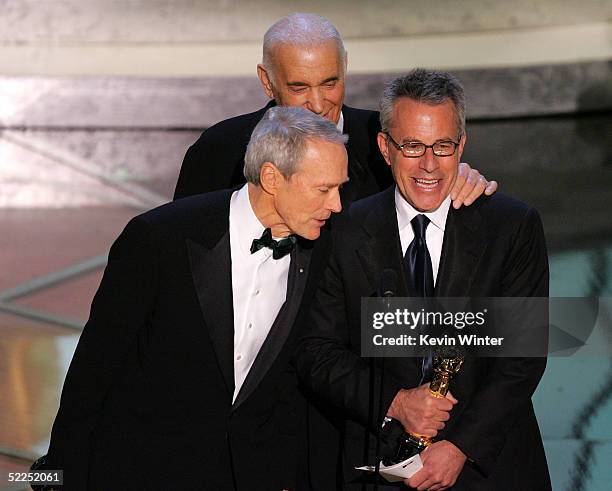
(120, 308)
(484, 425)
(326, 364)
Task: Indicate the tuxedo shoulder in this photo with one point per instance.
(361, 120)
(377, 203)
(500, 206)
(359, 113)
(366, 209)
(227, 129)
(189, 216)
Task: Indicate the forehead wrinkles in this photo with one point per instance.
(287, 57)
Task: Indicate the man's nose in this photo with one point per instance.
(429, 161)
(333, 203)
(316, 101)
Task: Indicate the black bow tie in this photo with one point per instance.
(279, 248)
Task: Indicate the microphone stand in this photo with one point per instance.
(388, 282)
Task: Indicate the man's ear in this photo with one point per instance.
(461, 145)
(264, 78)
(269, 177)
(345, 62)
(383, 145)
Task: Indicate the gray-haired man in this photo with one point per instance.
(181, 379)
(494, 248)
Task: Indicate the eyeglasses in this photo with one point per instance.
(444, 148)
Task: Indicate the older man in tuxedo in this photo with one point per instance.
(181, 378)
(304, 64)
(487, 434)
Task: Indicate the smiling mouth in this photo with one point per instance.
(426, 184)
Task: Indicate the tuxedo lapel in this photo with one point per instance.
(463, 247)
(281, 328)
(464, 244)
(382, 249)
(211, 270)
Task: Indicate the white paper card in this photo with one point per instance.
(397, 472)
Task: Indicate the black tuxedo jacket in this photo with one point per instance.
(493, 248)
(216, 160)
(147, 402)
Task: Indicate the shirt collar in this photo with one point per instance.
(406, 212)
(248, 225)
(340, 124)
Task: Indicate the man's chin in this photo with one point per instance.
(333, 116)
(427, 207)
(314, 235)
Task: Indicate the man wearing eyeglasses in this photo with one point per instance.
(495, 248)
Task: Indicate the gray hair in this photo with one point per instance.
(300, 29)
(281, 137)
(426, 86)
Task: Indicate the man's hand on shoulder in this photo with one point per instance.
(470, 184)
(420, 412)
(442, 464)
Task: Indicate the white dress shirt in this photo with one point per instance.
(259, 285)
(434, 235)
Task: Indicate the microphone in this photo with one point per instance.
(387, 289)
(388, 283)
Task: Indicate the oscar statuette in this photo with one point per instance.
(446, 363)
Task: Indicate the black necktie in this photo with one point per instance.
(419, 275)
(417, 262)
(279, 248)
